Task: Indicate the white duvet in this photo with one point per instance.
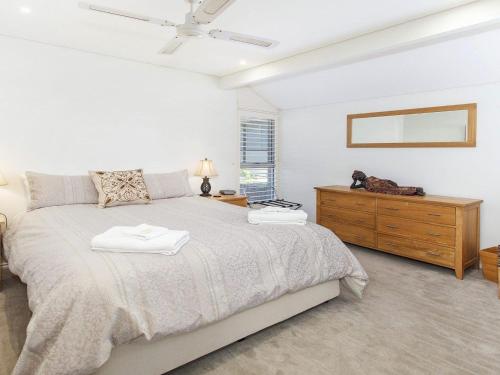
(84, 302)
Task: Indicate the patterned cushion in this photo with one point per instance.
(120, 187)
(168, 185)
(51, 190)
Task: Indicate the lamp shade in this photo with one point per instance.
(206, 169)
(3, 181)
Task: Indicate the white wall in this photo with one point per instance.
(313, 153)
(64, 111)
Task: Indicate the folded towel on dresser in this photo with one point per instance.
(125, 240)
(277, 215)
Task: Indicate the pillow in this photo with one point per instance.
(51, 190)
(120, 187)
(168, 185)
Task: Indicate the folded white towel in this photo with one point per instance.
(114, 240)
(144, 231)
(279, 216)
(275, 209)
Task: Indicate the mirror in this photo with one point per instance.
(447, 126)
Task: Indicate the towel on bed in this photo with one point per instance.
(144, 231)
(125, 240)
(277, 215)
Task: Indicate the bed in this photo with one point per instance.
(107, 313)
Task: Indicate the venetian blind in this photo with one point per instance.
(258, 158)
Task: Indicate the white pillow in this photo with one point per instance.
(52, 190)
(168, 185)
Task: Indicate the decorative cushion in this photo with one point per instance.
(51, 190)
(120, 187)
(168, 185)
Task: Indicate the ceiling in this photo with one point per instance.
(462, 62)
(299, 25)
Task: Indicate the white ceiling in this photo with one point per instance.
(299, 25)
(462, 62)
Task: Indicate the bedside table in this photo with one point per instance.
(3, 226)
(238, 200)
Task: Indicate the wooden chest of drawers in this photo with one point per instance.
(439, 230)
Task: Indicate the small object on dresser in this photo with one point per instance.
(489, 262)
(227, 192)
(378, 185)
(206, 170)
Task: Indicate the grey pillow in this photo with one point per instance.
(53, 190)
(168, 185)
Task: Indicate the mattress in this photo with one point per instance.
(84, 303)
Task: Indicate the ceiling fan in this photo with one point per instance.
(206, 12)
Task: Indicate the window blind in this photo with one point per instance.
(258, 158)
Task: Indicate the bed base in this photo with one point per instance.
(158, 357)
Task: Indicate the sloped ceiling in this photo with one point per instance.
(467, 61)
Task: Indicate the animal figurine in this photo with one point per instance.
(378, 185)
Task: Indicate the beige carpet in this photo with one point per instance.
(414, 319)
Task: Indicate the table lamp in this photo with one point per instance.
(206, 170)
(3, 181)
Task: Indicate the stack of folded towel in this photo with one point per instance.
(143, 238)
(277, 215)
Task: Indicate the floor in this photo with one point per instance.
(414, 319)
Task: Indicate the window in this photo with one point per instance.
(258, 157)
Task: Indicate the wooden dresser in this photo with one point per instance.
(433, 229)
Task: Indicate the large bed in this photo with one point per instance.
(108, 313)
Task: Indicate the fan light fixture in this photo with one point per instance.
(205, 13)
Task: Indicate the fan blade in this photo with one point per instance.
(243, 38)
(173, 45)
(210, 10)
(122, 13)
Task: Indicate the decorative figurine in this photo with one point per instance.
(377, 185)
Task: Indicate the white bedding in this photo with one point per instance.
(86, 302)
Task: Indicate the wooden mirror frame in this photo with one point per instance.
(471, 128)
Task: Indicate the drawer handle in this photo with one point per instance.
(392, 226)
(434, 234)
(436, 215)
(391, 209)
(433, 253)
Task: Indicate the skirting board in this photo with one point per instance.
(158, 357)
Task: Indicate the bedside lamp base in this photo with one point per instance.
(205, 187)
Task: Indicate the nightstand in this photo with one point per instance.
(3, 226)
(238, 200)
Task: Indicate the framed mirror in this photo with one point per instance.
(446, 126)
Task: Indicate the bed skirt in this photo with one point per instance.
(158, 357)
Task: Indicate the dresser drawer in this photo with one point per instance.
(340, 215)
(351, 233)
(350, 201)
(419, 231)
(417, 211)
(430, 253)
